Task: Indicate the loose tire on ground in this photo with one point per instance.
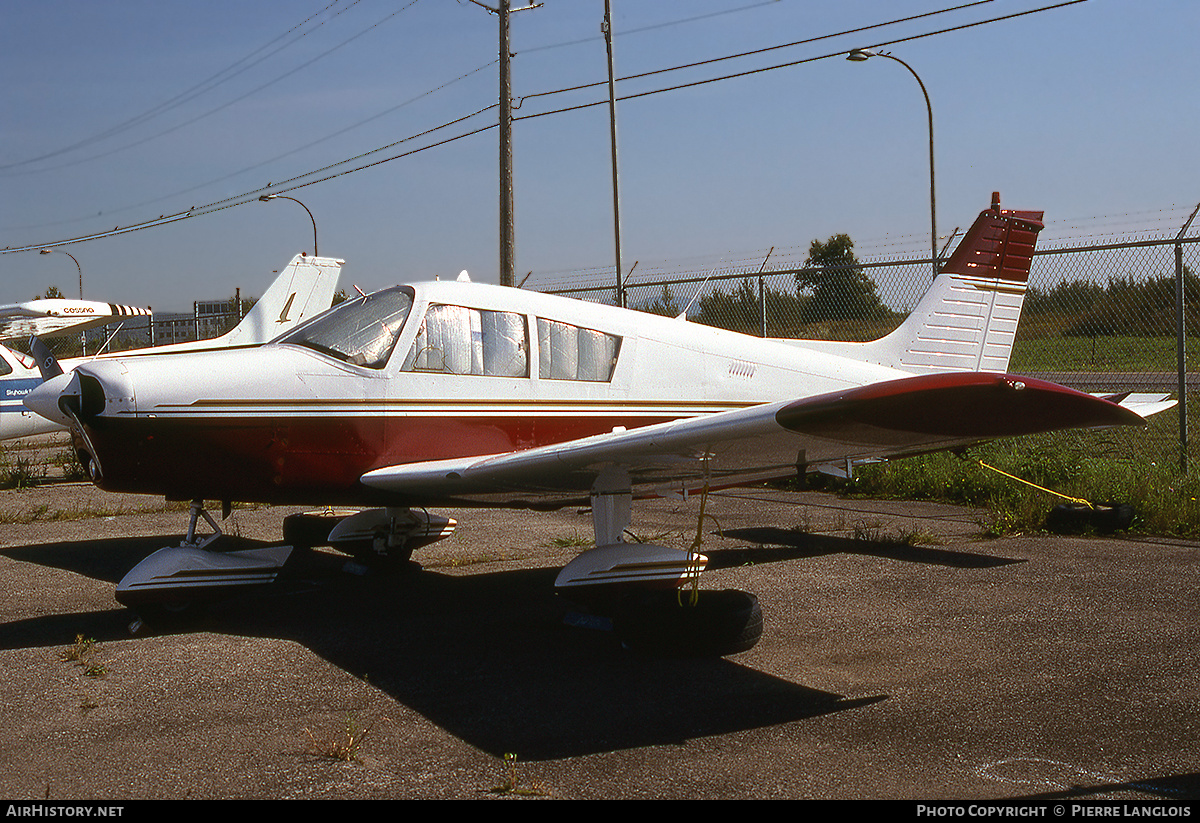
(722, 622)
(1102, 518)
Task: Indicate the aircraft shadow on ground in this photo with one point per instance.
(486, 657)
(789, 544)
(1172, 787)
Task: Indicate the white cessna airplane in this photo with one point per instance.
(304, 289)
(465, 394)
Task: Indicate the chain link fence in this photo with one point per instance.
(208, 319)
(1104, 317)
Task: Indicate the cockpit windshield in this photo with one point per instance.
(362, 331)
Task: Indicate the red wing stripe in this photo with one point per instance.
(959, 405)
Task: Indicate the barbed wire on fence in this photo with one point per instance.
(1101, 313)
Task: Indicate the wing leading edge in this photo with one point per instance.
(884, 420)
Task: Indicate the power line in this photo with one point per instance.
(219, 108)
(299, 181)
(655, 26)
(763, 50)
(188, 94)
(290, 184)
(278, 157)
(789, 64)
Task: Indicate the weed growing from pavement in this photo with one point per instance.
(344, 747)
(512, 785)
(20, 472)
(85, 654)
(874, 533)
(575, 541)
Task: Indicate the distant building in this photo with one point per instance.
(209, 318)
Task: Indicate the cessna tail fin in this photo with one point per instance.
(968, 319)
(302, 290)
(47, 363)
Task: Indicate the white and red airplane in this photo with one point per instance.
(464, 394)
(302, 290)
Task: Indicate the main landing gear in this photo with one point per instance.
(378, 538)
(649, 594)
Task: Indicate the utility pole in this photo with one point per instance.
(507, 233)
(612, 127)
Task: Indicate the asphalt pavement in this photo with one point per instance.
(904, 657)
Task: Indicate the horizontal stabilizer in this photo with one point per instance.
(1143, 405)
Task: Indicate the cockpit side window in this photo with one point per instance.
(362, 331)
(459, 340)
(567, 352)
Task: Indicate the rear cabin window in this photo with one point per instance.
(459, 340)
(567, 352)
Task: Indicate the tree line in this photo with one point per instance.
(831, 287)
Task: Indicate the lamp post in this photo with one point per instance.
(860, 55)
(77, 266)
(82, 334)
(267, 197)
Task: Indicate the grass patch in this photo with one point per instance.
(574, 541)
(1096, 353)
(43, 513)
(1097, 466)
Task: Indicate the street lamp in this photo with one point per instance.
(68, 254)
(861, 55)
(267, 197)
(82, 334)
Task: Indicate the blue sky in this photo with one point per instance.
(1088, 112)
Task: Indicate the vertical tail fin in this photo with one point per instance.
(968, 319)
(302, 290)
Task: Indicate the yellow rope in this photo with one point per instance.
(694, 551)
(1036, 486)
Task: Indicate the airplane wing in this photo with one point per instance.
(891, 419)
(51, 317)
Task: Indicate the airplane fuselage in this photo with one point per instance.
(470, 369)
(304, 288)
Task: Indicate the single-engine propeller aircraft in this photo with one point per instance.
(465, 394)
(302, 290)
